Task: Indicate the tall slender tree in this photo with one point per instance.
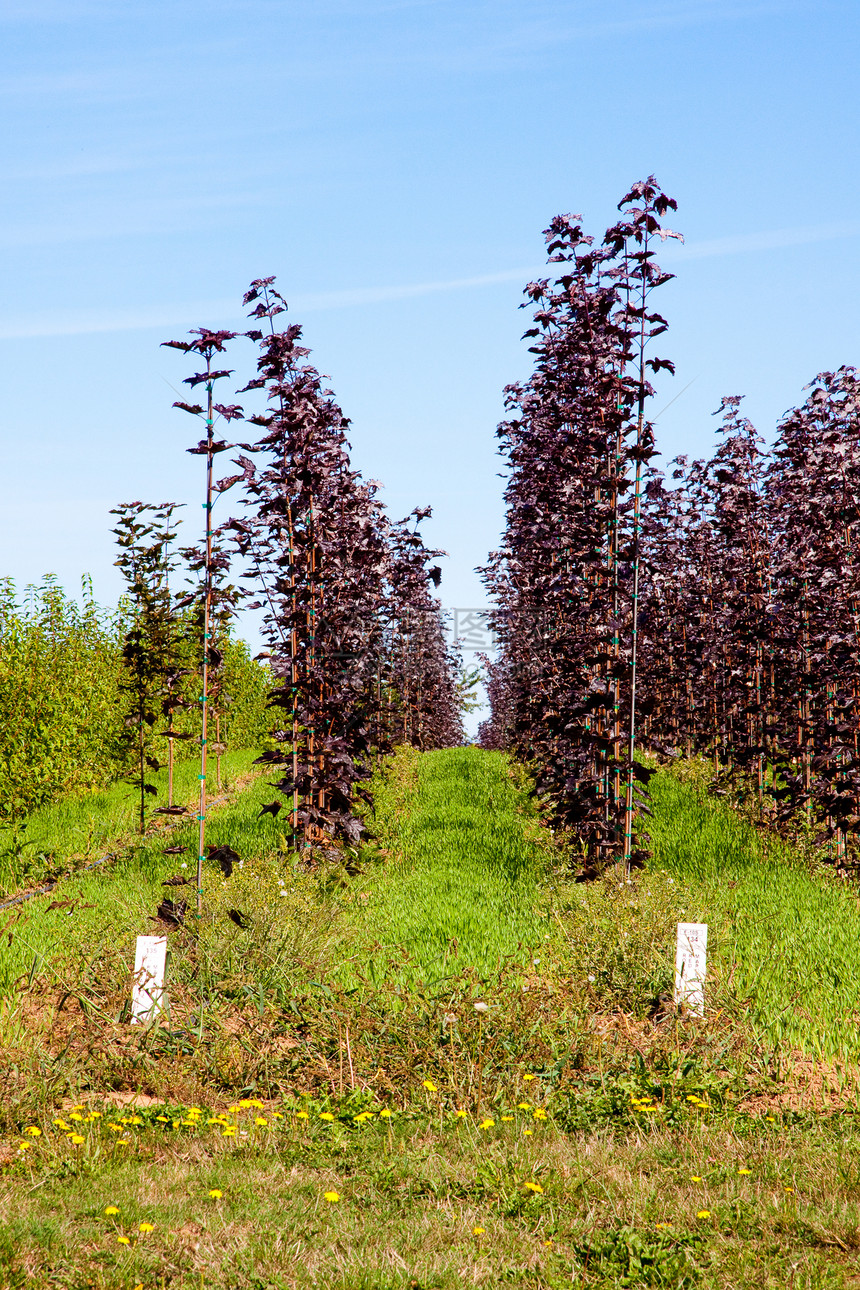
(208, 559)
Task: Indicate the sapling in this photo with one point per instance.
(144, 534)
(207, 560)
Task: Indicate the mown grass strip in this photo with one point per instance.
(461, 889)
(296, 1196)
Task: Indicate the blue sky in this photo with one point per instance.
(394, 163)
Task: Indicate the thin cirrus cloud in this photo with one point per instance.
(84, 322)
(146, 218)
(770, 241)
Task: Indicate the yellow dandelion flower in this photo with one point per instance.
(234, 1109)
(276, 1115)
(528, 1133)
(478, 1231)
(506, 1119)
(76, 1138)
(535, 1187)
(547, 1244)
(94, 1115)
(255, 1102)
(790, 1191)
(229, 1131)
(81, 1106)
(430, 1086)
(194, 1110)
(111, 1209)
(216, 1193)
(660, 1225)
(61, 1124)
(362, 1116)
(744, 1171)
(33, 1131)
(245, 1104)
(326, 1115)
(123, 1240)
(135, 1119)
(164, 1119)
(331, 1196)
(115, 1128)
(487, 1124)
(122, 1142)
(146, 1227)
(770, 1119)
(189, 1124)
(528, 1077)
(703, 1213)
(385, 1114)
(695, 1178)
(302, 1115)
(461, 1114)
(539, 1114)
(24, 1146)
(524, 1106)
(261, 1120)
(75, 1116)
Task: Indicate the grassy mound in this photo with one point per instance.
(461, 888)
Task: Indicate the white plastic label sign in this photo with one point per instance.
(690, 964)
(147, 991)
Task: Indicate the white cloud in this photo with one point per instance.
(142, 218)
(770, 240)
(227, 312)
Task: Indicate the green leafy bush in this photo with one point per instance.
(60, 673)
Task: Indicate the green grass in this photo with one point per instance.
(464, 889)
(114, 902)
(428, 1199)
(783, 933)
(353, 988)
(77, 830)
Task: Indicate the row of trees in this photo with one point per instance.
(355, 638)
(757, 556)
(714, 613)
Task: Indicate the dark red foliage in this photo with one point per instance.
(718, 614)
(355, 638)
